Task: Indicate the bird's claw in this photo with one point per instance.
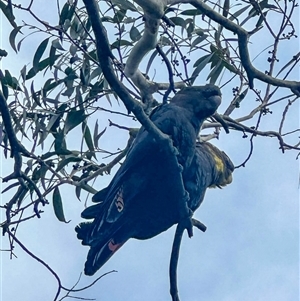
(187, 223)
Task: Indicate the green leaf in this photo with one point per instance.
(64, 13)
(23, 72)
(3, 52)
(49, 85)
(178, 21)
(215, 72)
(4, 89)
(124, 4)
(292, 61)
(68, 92)
(96, 135)
(74, 30)
(261, 19)
(119, 43)
(229, 67)
(60, 145)
(238, 12)
(51, 122)
(151, 59)
(54, 119)
(190, 28)
(165, 41)
(12, 37)
(57, 206)
(74, 118)
(1, 132)
(56, 43)
(38, 54)
(38, 173)
(77, 192)
(41, 66)
(199, 39)
(88, 188)
(134, 34)
(72, 11)
(118, 18)
(35, 95)
(8, 78)
(96, 72)
(8, 14)
(191, 12)
(66, 161)
(88, 137)
(73, 49)
(200, 64)
(264, 4)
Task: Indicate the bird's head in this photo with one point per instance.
(203, 101)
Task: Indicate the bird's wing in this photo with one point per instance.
(145, 154)
(127, 184)
(198, 177)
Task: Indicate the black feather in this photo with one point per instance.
(143, 198)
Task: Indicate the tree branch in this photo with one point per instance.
(153, 12)
(243, 36)
(16, 146)
(175, 256)
(105, 56)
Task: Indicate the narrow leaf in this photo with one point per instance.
(58, 207)
(97, 137)
(74, 118)
(38, 54)
(77, 192)
(198, 40)
(42, 65)
(65, 162)
(215, 72)
(64, 13)
(88, 137)
(238, 12)
(152, 57)
(201, 64)
(56, 43)
(191, 12)
(12, 37)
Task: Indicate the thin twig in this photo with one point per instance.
(88, 286)
(170, 72)
(40, 261)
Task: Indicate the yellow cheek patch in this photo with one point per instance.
(219, 163)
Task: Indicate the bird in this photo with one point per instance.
(144, 197)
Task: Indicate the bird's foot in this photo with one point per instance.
(187, 224)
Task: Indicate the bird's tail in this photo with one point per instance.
(99, 254)
(102, 244)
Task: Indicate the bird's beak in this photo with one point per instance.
(216, 99)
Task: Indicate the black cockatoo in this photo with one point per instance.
(143, 199)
